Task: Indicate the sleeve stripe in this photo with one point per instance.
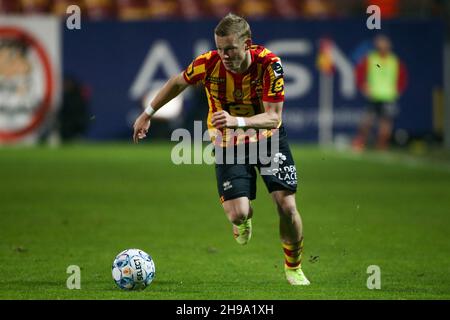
(199, 62)
(187, 79)
(196, 71)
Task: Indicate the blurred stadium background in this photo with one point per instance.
(96, 78)
(73, 94)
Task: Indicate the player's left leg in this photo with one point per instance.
(281, 182)
(291, 229)
(291, 234)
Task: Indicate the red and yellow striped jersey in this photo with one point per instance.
(239, 94)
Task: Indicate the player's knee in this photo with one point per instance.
(236, 215)
(237, 211)
(287, 210)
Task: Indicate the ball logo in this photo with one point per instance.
(138, 268)
(126, 271)
(26, 85)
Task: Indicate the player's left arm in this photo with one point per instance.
(270, 119)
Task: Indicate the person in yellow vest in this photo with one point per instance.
(381, 77)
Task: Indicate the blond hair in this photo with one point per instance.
(233, 24)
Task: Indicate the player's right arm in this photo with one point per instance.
(172, 88)
(194, 73)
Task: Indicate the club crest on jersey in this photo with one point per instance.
(238, 94)
(277, 69)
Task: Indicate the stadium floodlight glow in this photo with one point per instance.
(170, 111)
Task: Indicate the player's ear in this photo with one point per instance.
(248, 44)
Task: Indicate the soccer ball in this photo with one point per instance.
(133, 269)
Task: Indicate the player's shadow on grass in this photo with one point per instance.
(156, 286)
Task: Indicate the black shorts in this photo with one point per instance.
(383, 109)
(236, 180)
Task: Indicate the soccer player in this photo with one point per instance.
(245, 89)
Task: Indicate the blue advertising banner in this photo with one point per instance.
(121, 62)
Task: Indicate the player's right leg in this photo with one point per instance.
(385, 125)
(239, 213)
(359, 142)
(236, 184)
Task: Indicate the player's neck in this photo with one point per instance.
(246, 63)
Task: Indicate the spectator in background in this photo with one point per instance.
(381, 77)
(318, 8)
(36, 6)
(100, 9)
(288, 9)
(256, 9)
(191, 9)
(440, 8)
(132, 9)
(73, 117)
(163, 9)
(60, 6)
(389, 8)
(220, 8)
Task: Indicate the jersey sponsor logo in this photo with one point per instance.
(258, 87)
(287, 174)
(277, 69)
(215, 80)
(279, 158)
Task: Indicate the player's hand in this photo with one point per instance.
(141, 126)
(222, 119)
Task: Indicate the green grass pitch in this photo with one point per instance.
(83, 204)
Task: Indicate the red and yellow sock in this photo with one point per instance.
(293, 254)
